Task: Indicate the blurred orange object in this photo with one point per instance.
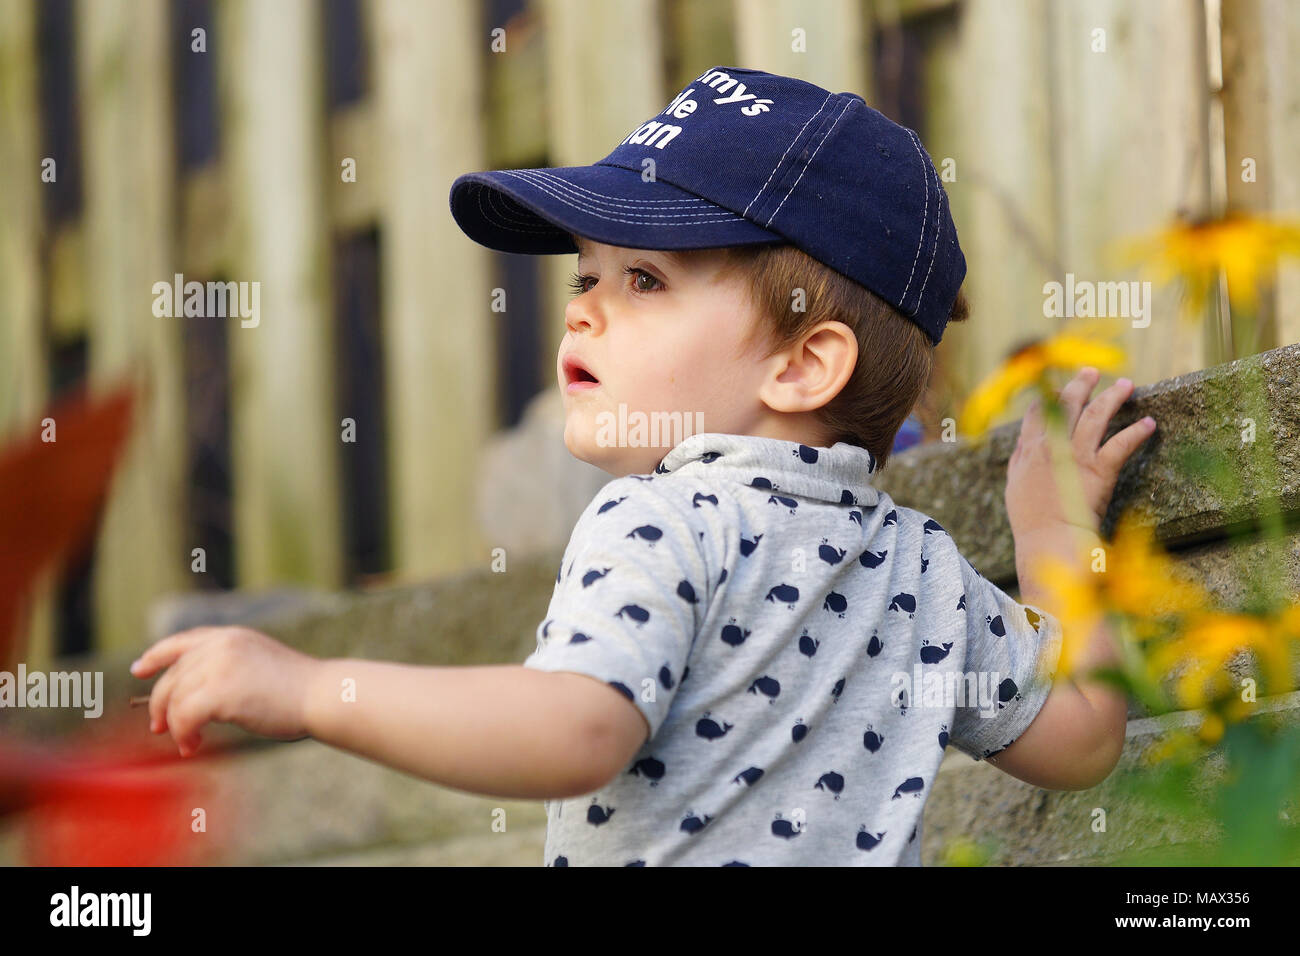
(51, 493)
(111, 796)
(109, 802)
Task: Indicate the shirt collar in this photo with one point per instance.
(840, 474)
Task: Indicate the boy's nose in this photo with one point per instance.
(579, 316)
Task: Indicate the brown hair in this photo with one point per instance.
(895, 357)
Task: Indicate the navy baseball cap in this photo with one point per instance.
(744, 157)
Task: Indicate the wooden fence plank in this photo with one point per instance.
(700, 34)
(22, 364)
(1132, 150)
(989, 130)
(285, 430)
(123, 61)
(1261, 98)
(436, 292)
(23, 369)
(598, 93)
(826, 43)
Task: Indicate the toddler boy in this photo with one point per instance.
(751, 656)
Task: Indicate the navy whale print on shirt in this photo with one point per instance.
(791, 593)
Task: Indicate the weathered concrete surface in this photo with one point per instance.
(962, 486)
(1027, 826)
(305, 801)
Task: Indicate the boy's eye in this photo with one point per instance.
(578, 283)
(637, 275)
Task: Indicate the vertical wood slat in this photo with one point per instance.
(24, 380)
(990, 112)
(435, 291)
(23, 376)
(285, 433)
(1062, 151)
(1133, 150)
(123, 63)
(599, 92)
(1261, 99)
(837, 39)
(700, 35)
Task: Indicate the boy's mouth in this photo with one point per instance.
(577, 376)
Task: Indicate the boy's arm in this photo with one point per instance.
(503, 730)
(1077, 737)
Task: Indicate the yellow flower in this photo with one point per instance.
(1211, 729)
(1244, 248)
(965, 852)
(1074, 600)
(1137, 579)
(993, 394)
(1028, 366)
(1070, 349)
(1178, 745)
(1288, 622)
(1201, 652)
(1143, 580)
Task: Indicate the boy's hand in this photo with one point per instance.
(1031, 495)
(231, 674)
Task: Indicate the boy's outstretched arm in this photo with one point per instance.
(504, 730)
(1077, 737)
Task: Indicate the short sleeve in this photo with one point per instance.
(632, 593)
(1014, 649)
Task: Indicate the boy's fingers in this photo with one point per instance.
(1032, 423)
(1122, 444)
(160, 698)
(186, 720)
(1097, 415)
(1076, 393)
(164, 652)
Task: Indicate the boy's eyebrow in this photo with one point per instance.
(677, 257)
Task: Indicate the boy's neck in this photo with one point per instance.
(799, 427)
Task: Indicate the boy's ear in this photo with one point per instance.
(811, 372)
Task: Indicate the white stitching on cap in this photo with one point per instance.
(590, 210)
(497, 217)
(542, 173)
(490, 214)
(508, 212)
(786, 153)
(701, 216)
(560, 187)
(938, 220)
(925, 214)
(809, 163)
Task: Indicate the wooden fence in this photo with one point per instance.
(1060, 127)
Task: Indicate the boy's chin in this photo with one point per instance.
(617, 461)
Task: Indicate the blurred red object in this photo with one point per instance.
(51, 493)
(113, 804)
(112, 797)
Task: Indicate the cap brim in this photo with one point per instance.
(534, 211)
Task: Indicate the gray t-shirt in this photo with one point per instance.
(802, 649)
